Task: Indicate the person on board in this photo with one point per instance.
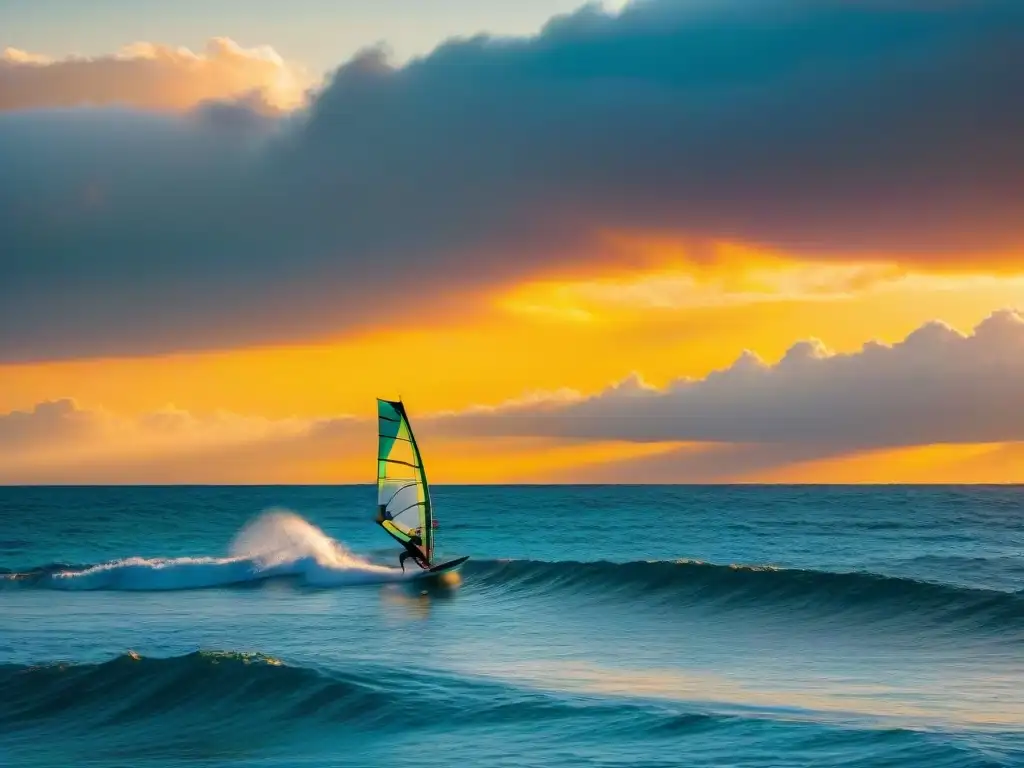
(415, 555)
(413, 550)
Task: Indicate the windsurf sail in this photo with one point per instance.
(403, 495)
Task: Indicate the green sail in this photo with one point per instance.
(403, 496)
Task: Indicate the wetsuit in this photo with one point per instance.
(413, 547)
(406, 554)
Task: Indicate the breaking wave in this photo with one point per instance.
(282, 545)
(276, 544)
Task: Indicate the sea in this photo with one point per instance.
(151, 627)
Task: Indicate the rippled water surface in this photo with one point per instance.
(598, 626)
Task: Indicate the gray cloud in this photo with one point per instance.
(826, 128)
(64, 442)
(49, 422)
(936, 386)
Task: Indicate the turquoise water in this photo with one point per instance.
(593, 626)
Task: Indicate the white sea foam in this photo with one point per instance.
(277, 543)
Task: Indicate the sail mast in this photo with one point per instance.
(428, 512)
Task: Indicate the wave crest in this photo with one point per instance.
(761, 588)
(223, 689)
(131, 688)
(276, 544)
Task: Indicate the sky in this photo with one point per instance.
(660, 241)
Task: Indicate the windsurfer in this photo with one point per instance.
(413, 550)
(416, 556)
(411, 540)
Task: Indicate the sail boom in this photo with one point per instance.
(398, 461)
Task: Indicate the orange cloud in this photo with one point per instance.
(494, 356)
(61, 434)
(62, 442)
(151, 76)
(939, 405)
(678, 276)
(961, 463)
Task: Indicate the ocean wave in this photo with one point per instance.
(228, 686)
(235, 705)
(282, 545)
(681, 584)
(275, 545)
(759, 587)
(185, 573)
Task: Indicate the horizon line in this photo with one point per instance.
(523, 485)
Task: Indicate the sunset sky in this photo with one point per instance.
(661, 241)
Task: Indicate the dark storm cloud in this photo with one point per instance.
(826, 128)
